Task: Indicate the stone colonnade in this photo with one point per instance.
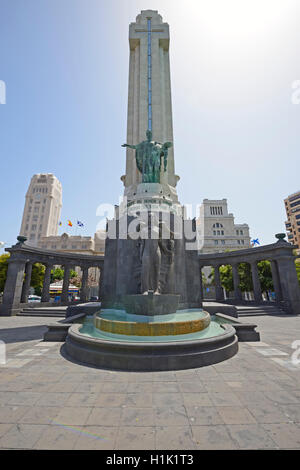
(284, 275)
(23, 257)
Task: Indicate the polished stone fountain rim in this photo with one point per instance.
(150, 356)
(154, 328)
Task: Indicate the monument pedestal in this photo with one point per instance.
(151, 304)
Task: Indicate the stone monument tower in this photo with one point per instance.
(151, 258)
(149, 101)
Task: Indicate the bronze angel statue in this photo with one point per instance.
(148, 156)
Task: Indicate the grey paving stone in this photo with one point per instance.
(96, 438)
(139, 399)
(225, 399)
(197, 399)
(143, 387)
(174, 438)
(191, 387)
(25, 398)
(22, 436)
(57, 438)
(4, 428)
(236, 415)
(165, 387)
(136, 438)
(104, 417)
(167, 399)
(203, 415)
(168, 416)
(212, 437)
(286, 435)
(251, 436)
(53, 399)
(81, 399)
(291, 412)
(60, 387)
(12, 413)
(40, 415)
(137, 417)
(114, 387)
(73, 416)
(88, 387)
(268, 412)
(282, 396)
(111, 399)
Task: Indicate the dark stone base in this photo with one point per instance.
(89, 308)
(151, 304)
(147, 356)
(244, 331)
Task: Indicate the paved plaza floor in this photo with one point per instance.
(251, 401)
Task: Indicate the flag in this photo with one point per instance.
(255, 242)
(60, 223)
(70, 223)
(80, 224)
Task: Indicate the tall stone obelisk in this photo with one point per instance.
(149, 98)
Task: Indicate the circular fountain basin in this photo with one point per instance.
(104, 349)
(122, 323)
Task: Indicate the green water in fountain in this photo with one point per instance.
(214, 329)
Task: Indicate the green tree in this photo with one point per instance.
(37, 277)
(57, 274)
(246, 284)
(265, 275)
(297, 263)
(3, 270)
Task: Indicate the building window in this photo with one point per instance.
(216, 242)
(237, 232)
(84, 246)
(239, 242)
(223, 242)
(33, 227)
(26, 227)
(215, 233)
(243, 242)
(295, 203)
(64, 246)
(241, 232)
(222, 232)
(74, 247)
(32, 236)
(53, 247)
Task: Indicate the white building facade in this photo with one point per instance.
(217, 231)
(43, 203)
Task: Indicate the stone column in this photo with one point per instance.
(13, 286)
(84, 284)
(100, 283)
(236, 282)
(26, 283)
(46, 283)
(218, 286)
(201, 285)
(65, 287)
(276, 281)
(289, 283)
(256, 282)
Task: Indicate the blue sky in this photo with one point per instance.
(236, 131)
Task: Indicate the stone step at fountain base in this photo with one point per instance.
(258, 310)
(43, 312)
